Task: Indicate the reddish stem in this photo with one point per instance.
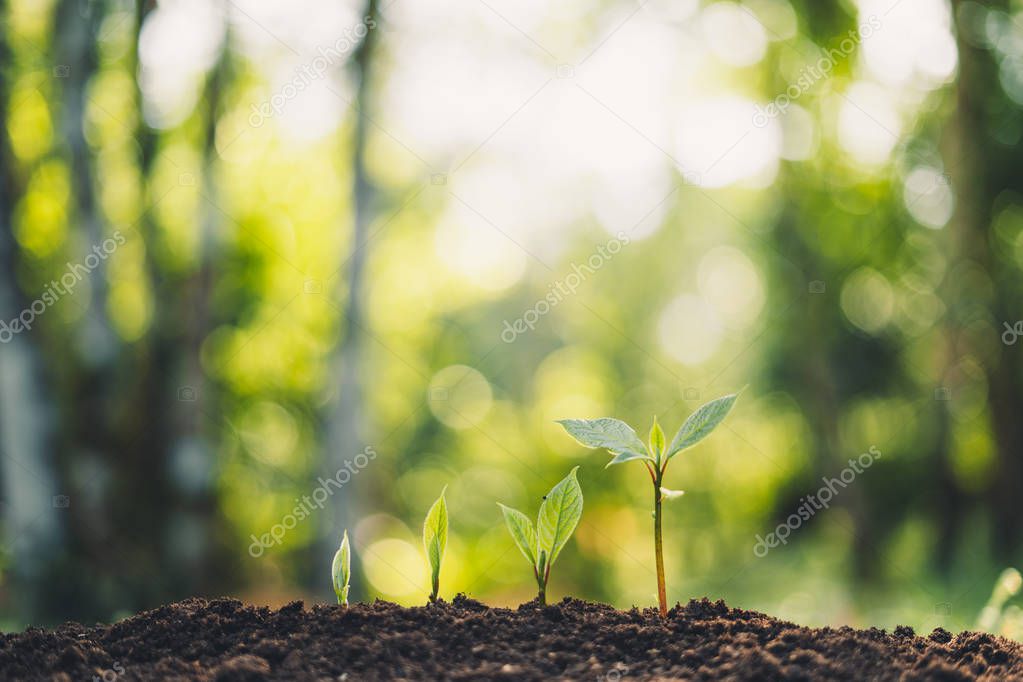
(662, 596)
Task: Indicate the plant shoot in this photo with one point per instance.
(541, 544)
(624, 445)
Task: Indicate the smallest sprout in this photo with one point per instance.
(341, 571)
(435, 540)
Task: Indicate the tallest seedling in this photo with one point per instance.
(623, 443)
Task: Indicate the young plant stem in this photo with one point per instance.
(542, 575)
(662, 597)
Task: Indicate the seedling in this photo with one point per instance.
(341, 571)
(435, 540)
(559, 515)
(624, 445)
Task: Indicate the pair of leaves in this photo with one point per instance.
(559, 515)
(435, 539)
(618, 437)
(341, 570)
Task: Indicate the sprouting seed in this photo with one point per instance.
(341, 570)
(435, 540)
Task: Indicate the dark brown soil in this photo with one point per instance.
(466, 640)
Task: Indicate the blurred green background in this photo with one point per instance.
(243, 242)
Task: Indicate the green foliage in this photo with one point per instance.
(522, 531)
(627, 456)
(609, 433)
(621, 441)
(701, 423)
(435, 540)
(341, 570)
(559, 515)
(656, 440)
(863, 353)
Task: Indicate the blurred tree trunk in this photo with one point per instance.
(345, 432)
(200, 558)
(90, 384)
(140, 463)
(33, 530)
(166, 455)
(78, 23)
(982, 168)
(808, 366)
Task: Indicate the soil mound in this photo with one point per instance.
(222, 639)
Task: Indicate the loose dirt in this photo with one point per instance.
(222, 639)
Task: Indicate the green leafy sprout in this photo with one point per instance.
(559, 515)
(341, 571)
(624, 445)
(435, 540)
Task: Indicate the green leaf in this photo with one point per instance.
(522, 531)
(613, 434)
(656, 439)
(701, 423)
(627, 456)
(435, 539)
(341, 571)
(559, 515)
(672, 494)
